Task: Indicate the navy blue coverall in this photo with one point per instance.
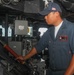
(60, 48)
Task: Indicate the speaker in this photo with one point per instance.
(33, 6)
(21, 27)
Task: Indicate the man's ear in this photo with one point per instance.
(57, 13)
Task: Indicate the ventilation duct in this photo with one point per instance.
(68, 4)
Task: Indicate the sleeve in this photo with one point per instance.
(43, 42)
(72, 39)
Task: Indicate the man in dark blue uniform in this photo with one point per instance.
(59, 39)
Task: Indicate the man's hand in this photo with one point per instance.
(70, 69)
(29, 55)
(20, 58)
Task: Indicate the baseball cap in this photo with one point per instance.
(51, 6)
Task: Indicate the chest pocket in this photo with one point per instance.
(63, 40)
(59, 41)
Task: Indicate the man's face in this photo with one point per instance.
(51, 18)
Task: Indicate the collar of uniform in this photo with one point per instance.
(57, 29)
(64, 24)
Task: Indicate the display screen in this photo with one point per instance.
(42, 30)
